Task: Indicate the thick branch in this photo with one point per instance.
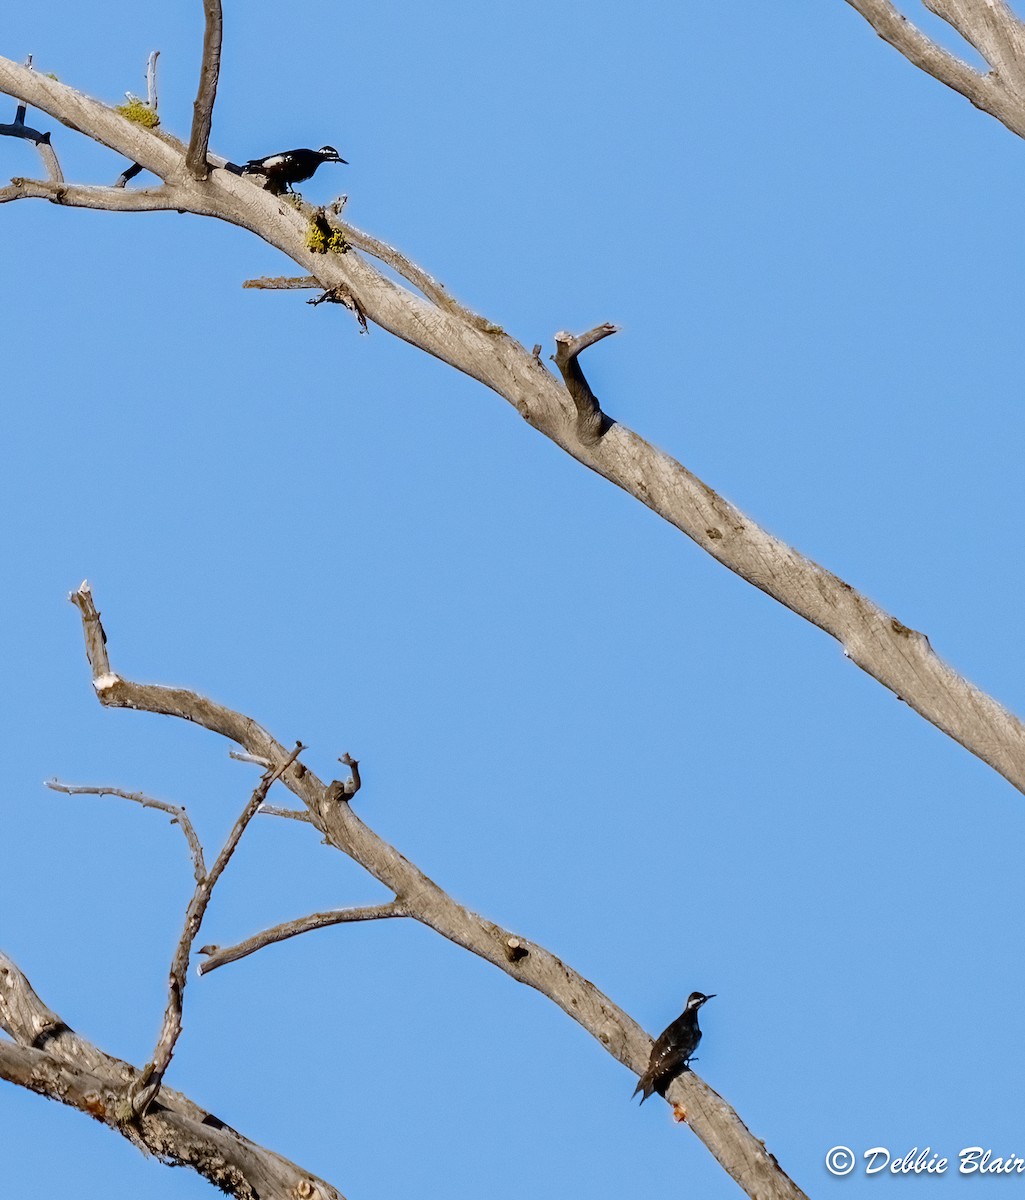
(899, 657)
(178, 815)
(714, 1121)
(47, 1058)
(158, 153)
(592, 423)
(149, 1083)
(219, 957)
(993, 29)
(984, 91)
(203, 109)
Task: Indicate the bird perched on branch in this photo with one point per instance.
(673, 1049)
(290, 167)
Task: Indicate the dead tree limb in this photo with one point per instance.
(49, 1058)
(715, 1122)
(886, 648)
(989, 26)
(282, 282)
(221, 956)
(592, 423)
(176, 812)
(19, 129)
(203, 110)
(147, 1085)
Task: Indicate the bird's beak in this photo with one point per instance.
(341, 160)
(712, 997)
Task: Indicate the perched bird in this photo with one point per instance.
(671, 1052)
(290, 167)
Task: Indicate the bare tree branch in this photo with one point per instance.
(997, 95)
(239, 756)
(711, 1118)
(883, 646)
(152, 98)
(993, 29)
(282, 282)
(128, 174)
(42, 143)
(219, 957)
(178, 815)
(195, 159)
(107, 199)
(394, 258)
(19, 129)
(592, 423)
(148, 1084)
(291, 814)
(345, 789)
(48, 1058)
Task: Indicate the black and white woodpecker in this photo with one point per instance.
(290, 167)
(673, 1049)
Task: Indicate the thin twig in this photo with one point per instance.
(148, 1084)
(128, 174)
(177, 813)
(249, 758)
(152, 102)
(203, 109)
(592, 423)
(152, 99)
(290, 814)
(282, 282)
(219, 956)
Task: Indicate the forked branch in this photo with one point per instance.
(47, 1057)
(886, 648)
(988, 25)
(592, 423)
(18, 129)
(148, 1084)
(714, 1121)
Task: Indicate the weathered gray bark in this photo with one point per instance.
(989, 26)
(899, 657)
(48, 1057)
(714, 1121)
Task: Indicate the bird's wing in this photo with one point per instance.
(670, 1063)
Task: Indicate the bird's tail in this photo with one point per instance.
(644, 1086)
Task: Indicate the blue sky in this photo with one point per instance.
(566, 714)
